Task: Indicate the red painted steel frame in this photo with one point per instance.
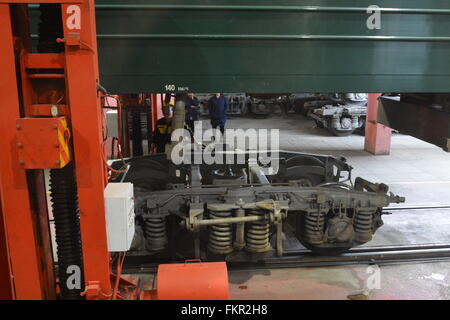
(6, 292)
(27, 255)
(86, 115)
(156, 101)
(378, 137)
(22, 238)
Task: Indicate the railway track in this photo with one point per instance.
(383, 255)
(368, 255)
(303, 258)
(417, 207)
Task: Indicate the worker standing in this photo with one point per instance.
(192, 111)
(218, 106)
(163, 131)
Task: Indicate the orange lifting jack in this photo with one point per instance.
(192, 281)
(49, 119)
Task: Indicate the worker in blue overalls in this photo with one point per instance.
(192, 111)
(218, 106)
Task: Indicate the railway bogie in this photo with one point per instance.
(218, 211)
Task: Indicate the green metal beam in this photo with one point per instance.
(265, 8)
(267, 37)
(269, 46)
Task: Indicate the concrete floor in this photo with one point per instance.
(414, 169)
(400, 282)
(411, 160)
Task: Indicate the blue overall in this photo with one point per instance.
(192, 114)
(218, 111)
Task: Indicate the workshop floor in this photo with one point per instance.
(414, 169)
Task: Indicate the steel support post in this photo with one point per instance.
(19, 218)
(86, 115)
(378, 137)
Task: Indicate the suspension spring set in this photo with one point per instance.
(251, 235)
(155, 232)
(315, 226)
(362, 224)
(221, 235)
(257, 234)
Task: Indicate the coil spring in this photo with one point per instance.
(155, 233)
(314, 227)
(220, 236)
(363, 226)
(257, 234)
(63, 190)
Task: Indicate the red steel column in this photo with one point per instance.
(22, 240)
(156, 109)
(6, 292)
(86, 115)
(378, 137)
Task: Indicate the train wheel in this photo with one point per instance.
(327, 251)
(319, 124)
(299, 107)
(307, 171)
(339, 133)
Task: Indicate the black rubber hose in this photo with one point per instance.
(64, 197)
(63, 185)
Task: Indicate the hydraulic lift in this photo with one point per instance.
(51, 118)
(27, 96)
